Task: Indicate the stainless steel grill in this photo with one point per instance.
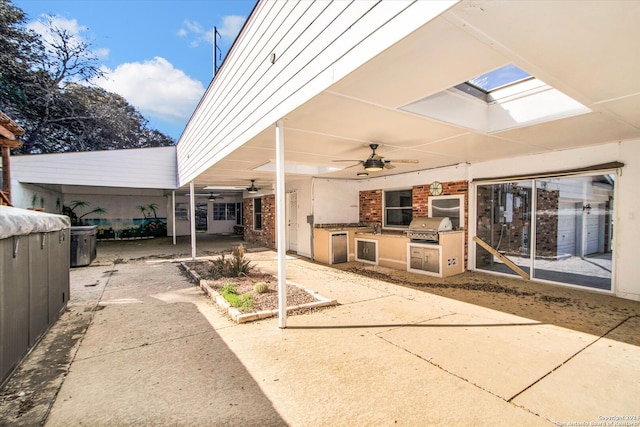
(423, 228)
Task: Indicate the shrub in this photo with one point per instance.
(235, 266)
(240, 266)
(243, 302)
(261, 287)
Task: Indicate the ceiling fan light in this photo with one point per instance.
(373, 165)
(252, 190)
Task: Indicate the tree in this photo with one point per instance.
(45, 87)
(20, 50)
(64, 59)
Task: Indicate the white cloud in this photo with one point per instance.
(155, 88)
(231, 26)
(42, 26)
(45, 23)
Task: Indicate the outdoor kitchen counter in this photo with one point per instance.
(391, 248)
(322, 241)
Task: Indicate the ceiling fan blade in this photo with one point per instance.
(359, 161)
(388, 165)
(403, 161)
(353, 166)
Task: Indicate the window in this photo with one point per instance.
(218, 212)
(224, 211)
(239, 213)
(257, 213)
(398, 208)
(449, 206)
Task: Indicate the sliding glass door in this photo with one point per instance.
(504, 226)
(555, 229)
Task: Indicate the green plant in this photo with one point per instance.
(240, 265)
(261, 287)
(235, 266)
(243, 302)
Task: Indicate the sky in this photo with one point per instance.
(157, 54)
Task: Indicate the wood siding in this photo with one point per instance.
(135, 168)
(314, 45)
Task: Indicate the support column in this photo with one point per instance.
(281, 226)
(173, 214)
(6, 172)
(192, 210)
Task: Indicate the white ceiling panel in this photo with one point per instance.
(475, 147)
(586, 50)
(578, 131)
(437, 55)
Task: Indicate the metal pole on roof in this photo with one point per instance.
(280, 226)
(217, 53)
(192, 209)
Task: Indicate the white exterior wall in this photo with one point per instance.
(627, 223)
(221, 227)
(303, 191)
(183, 227)
(315, 44)
(335, 201)
(117, 204)
(134, 168)
(33, 196)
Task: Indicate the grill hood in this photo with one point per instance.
(433, 224)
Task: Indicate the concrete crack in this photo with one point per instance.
(570, 358)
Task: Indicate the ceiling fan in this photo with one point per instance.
(210, 196)
(375, 162)
(252, 189)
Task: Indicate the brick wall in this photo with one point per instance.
(371, 204)
(547, 205)
(514, 238)
(267, 236)
(370, 207)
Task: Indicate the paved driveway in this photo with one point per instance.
(155, 351)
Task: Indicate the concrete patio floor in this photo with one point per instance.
(146, 347)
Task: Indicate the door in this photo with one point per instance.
(339, 248)
(292, 221)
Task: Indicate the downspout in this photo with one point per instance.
(281, 226)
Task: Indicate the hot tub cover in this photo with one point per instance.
(19, 222)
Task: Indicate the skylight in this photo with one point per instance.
(496, 79)
(510, 98)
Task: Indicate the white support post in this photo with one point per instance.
(173, 215)
(281, 226)
(192, 209)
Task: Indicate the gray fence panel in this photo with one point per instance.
(38, 285)
(58, 272)
(14, 301)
